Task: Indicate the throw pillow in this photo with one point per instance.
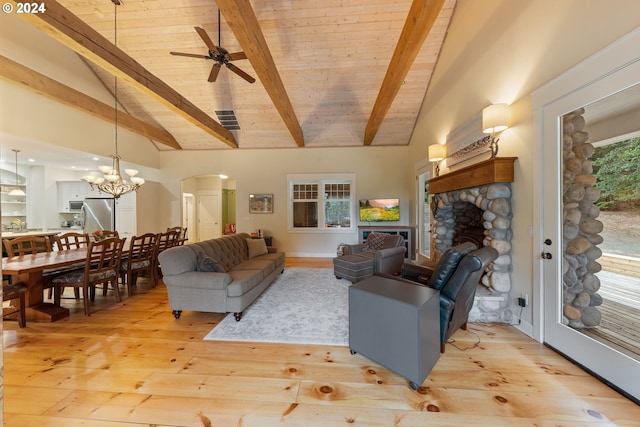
(207, 263)
(375, 241)
(256, 247)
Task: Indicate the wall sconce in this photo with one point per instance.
(436, 154)
(495, 118)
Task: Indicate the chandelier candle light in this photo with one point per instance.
(113, 183)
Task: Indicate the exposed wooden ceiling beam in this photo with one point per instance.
(243, 22)
(67, 28)
(43, 85)
(422, 15)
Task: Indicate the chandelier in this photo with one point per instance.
(113, 182)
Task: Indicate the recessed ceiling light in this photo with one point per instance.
(30, 160)
(223, 176)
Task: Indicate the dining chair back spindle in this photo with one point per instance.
(101, 265)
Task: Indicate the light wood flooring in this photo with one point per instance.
(133, 364)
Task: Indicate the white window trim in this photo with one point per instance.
(321, 179)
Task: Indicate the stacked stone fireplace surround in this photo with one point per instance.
(480, 214)
(483, 215)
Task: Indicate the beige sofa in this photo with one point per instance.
(223, 275)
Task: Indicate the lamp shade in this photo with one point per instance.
(436, 152)
(495, 118)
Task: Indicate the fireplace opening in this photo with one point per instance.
(468, 224)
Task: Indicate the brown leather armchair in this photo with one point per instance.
(386, 250)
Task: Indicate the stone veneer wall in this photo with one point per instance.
(580, 227)
(495, 202)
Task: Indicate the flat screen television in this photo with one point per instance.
(378, 210)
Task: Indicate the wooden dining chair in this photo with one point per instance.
(166, 240)
(26, 245)
(15, 292)
(105, 234)
(140, 260)
(71, 240)
(101, 265)
(66, 241)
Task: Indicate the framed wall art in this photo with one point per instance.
(261, 203)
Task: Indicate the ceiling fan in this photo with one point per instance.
(220, 55)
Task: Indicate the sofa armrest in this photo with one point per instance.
(352, 249)
(417, 273)
(390, 260)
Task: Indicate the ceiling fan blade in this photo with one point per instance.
(191, 55)
(214, 72)
(241, 73)
(205, 38)
(237, 56)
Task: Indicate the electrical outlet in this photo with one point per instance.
(522, 302)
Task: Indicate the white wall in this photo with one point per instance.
(380, 172)
(501, 51)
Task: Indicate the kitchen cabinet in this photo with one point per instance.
(13, 206)
(69, 191)
(126, 220)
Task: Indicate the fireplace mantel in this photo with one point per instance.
(498, 169)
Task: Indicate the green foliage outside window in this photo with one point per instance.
(617, 168)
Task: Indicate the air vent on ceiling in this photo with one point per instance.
(228, 120)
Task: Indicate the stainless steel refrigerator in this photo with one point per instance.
(98, 214)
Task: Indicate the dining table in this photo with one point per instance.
(33, 272)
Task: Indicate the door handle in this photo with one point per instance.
(546, 255)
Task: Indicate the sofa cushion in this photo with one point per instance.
(243, 281)
(448, 263)
(375, 241)
(207, 263)
(256, 247)
(259, 263)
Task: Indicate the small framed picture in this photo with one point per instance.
(260, 203)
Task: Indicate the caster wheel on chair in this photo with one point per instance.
(414, 386)
(353, 352)
(177, 313)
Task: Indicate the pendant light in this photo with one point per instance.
(113, 182)
(17, 191)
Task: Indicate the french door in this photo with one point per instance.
(601, 96)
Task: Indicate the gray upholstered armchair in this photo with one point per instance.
(386, 250)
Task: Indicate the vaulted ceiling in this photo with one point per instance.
(329, 73)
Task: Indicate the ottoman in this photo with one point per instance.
(352, 267)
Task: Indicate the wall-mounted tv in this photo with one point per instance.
(376, 210)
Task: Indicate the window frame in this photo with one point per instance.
(321, 180)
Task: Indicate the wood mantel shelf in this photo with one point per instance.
(498, 169)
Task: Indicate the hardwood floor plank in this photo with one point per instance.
(132, 364)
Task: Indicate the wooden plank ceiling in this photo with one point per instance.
(322, 69)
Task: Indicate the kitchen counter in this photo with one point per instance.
(50, 232)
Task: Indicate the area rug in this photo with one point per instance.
(302, 306)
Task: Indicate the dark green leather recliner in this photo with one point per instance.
(456, 275)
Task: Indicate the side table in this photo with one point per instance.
(396, 324)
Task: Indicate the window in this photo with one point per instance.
(321, 202)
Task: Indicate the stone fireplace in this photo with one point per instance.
(474, 204)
